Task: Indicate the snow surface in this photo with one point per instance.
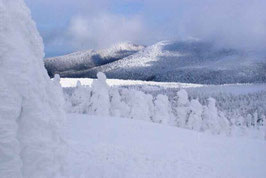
(118, 147)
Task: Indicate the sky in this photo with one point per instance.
(72, 25)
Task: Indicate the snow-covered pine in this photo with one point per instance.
(255, 119)
(239, 121)
(215, 120)
(224, 123)
(100, 101)
(150, 104)
(195, 116)
(264, 126)
(139, 107)
(81, 99)
(210, 117)
(248, 121)
(182, 108)
(161, 109)
(31, 107)
(118, 107)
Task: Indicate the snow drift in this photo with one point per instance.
(31, 105)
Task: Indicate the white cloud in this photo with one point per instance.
(103, 30)
(231, 23)
(84, 24)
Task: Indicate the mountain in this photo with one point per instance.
(83, 60)
(192, 61)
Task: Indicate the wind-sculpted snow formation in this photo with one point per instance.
(31, 105)
(191, 61)
(83, 60)
(179, 111)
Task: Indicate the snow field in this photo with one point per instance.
(117, 148)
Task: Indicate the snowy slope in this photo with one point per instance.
(87, 59)
(117, 147)
(185, 61)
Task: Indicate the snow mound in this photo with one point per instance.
(31, 105)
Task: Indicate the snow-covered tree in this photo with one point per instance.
(210, 117)
(118, 107)
(255, 119)
(81, 99)
(214, 120)
(150, 104)
(100, 101)
(182, 97)
(161, 109)
(195, 116)
(182, 108)
(239, 120)
(264, 126)
(139, 108)
(248, 121)
(224, 123)
(31, 107)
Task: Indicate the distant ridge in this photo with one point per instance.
(83, 60)
(191, 61)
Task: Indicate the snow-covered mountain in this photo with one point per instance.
(83, 60)
(190, 61)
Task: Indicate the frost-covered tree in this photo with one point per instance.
(255, 119)
(248, 121)
(161, 112)
(182, 108)
(31, 107)
(264, 126)
(210, 117)
(214, 120)
(224, 123)
(182, 97)
(150, 104)
(81, 99)
(239, 121)
(100, 101)
(139, 108)
(118, 107)
(195, 117)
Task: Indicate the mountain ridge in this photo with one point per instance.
(86, 59)
(191, 61)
